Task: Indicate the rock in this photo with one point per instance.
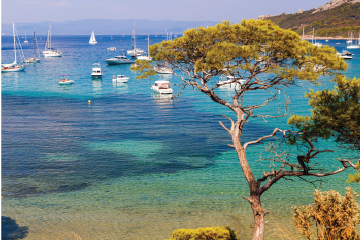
(300, 11)
(333, 4)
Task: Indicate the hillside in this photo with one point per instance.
(333, 22)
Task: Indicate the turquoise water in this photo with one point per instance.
(132, 165)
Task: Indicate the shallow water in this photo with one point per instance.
(131, 165)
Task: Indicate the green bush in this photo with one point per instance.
(210, 233)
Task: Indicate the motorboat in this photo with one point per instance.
(345, 54)
(121, 59)
(14, 67)
(36, 57)
(96, 70)
(92, 40)
(120, 78)
(49, 52)
(162, 87)
(64, 81)
(163, 69)
(111, 48)
(231, 82)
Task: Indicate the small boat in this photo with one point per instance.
(144, 57)
(337, 43)
(49, 52)
(120, 78)
(64, 81)
(345, 54)
(231, 82)
(162, 87)
(163, 69)
(121, 59)
(96, 70)
(111, 48)
(26, 41)
(14, 67)
(92, 40)
(36, 52)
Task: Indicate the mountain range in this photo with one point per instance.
(105, 27)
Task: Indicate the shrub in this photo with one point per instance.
(333, 215)
(210, 233)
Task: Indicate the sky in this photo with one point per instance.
(32, 11)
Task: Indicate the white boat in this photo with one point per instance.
(111, 48)
(122, 59)
(163, 69)
(350, 43)
(26, 41)
(14, 67)
(36, 57)
(92, 40)
(231, 82)
(65, 82)
(345, 54)
(96, 70)
(134, 52)
(49, 52)
(120, 79)
(144, 57)
(315, 43)
(162, 87)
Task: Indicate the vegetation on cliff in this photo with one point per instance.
(334, 22)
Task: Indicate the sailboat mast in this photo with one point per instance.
(312, 40)
(14, 41)
(50, 37)
(34, 44)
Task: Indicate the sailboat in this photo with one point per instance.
(144, 57)
(48, 51)
(36, 52)
(134, 51)
(351, 45)
(26, 41)
(315, 43)
(14, 67)
(92, 40)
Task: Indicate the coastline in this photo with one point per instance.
(310, 37)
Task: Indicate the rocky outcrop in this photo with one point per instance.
(334, 4)
(264, 16)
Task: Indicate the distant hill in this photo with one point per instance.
(106, 27)
(336, 18)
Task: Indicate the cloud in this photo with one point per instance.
(60, 4)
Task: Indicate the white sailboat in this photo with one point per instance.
(92, 40)
(350, 43)
(49, 52)
(134, 52)
(144, 57)
(14, 67)
(26, 41)
(36, 57)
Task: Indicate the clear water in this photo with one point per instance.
(131, 165)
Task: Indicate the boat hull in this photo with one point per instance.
(52, 54)
(13, 69)
(117, 62)
(162, 91)
(66, 83)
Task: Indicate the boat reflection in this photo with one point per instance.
(97, 84)
(162, 99)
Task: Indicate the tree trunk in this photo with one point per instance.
(254, 199)
(259, 222)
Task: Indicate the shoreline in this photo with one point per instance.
(309, 37)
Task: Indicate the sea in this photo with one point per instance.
(100, 160)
